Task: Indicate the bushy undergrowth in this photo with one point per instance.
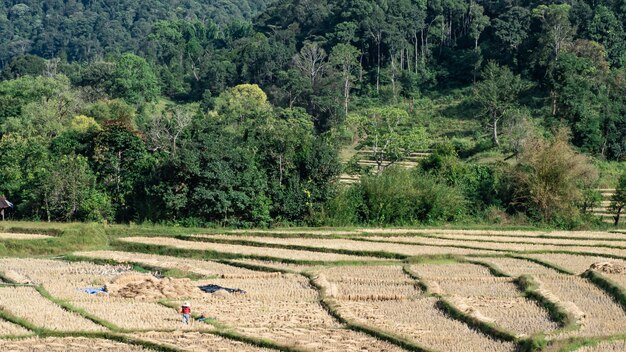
(398, 197)
(548, 184)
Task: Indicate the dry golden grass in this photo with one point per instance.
(385, 298)
(246, 250)
(197, 341)
(21, 236)
(384, 273)
(286, 310)
(132, 314)
(451, 271)
(15, 277)
(322, 339)
(503, 247)
(500, 302)
(545, 241)
(496, 235)
(588, 234)
(369, 283)
(10, 329)
(200, 267)
(574, 263)
(64, 344)
(421, 321)
(472, 289)
(140, 286)
(276, 265)
(602, 316)
(288, 299)
(61, 278)
(298, 232)
(346, 244)
(28, 304)
(450, 231)
(516, 267)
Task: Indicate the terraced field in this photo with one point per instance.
(345, 290)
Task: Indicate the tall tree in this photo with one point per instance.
(606, 29)
(497, 93)
(134, 80)
(479, 21)
(512, 27)
(557, 30)
(345, 57)
(618, 200)
(119, 159)
(311, 61)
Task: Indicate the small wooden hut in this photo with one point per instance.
(4, 204)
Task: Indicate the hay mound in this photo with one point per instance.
(146, 286)
(609, 267)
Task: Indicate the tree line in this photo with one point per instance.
(200, 112)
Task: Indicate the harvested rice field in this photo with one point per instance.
(494, 300)
(279, 266)
(602, 315)
(252, 251)
(491, 234)
(515, 267)
(503, 247)
(10, 329)
(63, 344)
(200, 267)
(349, 245)
(27, 303)
(322, 290)
(423, 323)
(22, 236)
(197, 342)
(545, 241)
(577, 264)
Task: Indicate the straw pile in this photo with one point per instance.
(145, 286)
(609, 268)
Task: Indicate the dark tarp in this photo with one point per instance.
(215, 288)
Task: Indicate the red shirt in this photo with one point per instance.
(186, 310)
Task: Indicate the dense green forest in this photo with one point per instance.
(245, 113)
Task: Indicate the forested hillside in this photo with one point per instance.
(246, 112)
(92, 29)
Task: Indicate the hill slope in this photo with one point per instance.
(87, 29)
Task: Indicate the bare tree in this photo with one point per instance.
(166, 128)
(311, 61)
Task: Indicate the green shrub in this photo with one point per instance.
(397, 197)
(550, 180)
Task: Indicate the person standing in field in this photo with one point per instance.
(186, 312)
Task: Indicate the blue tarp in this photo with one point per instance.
(92, 290)
(215, 288)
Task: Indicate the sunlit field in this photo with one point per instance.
(310, 290)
